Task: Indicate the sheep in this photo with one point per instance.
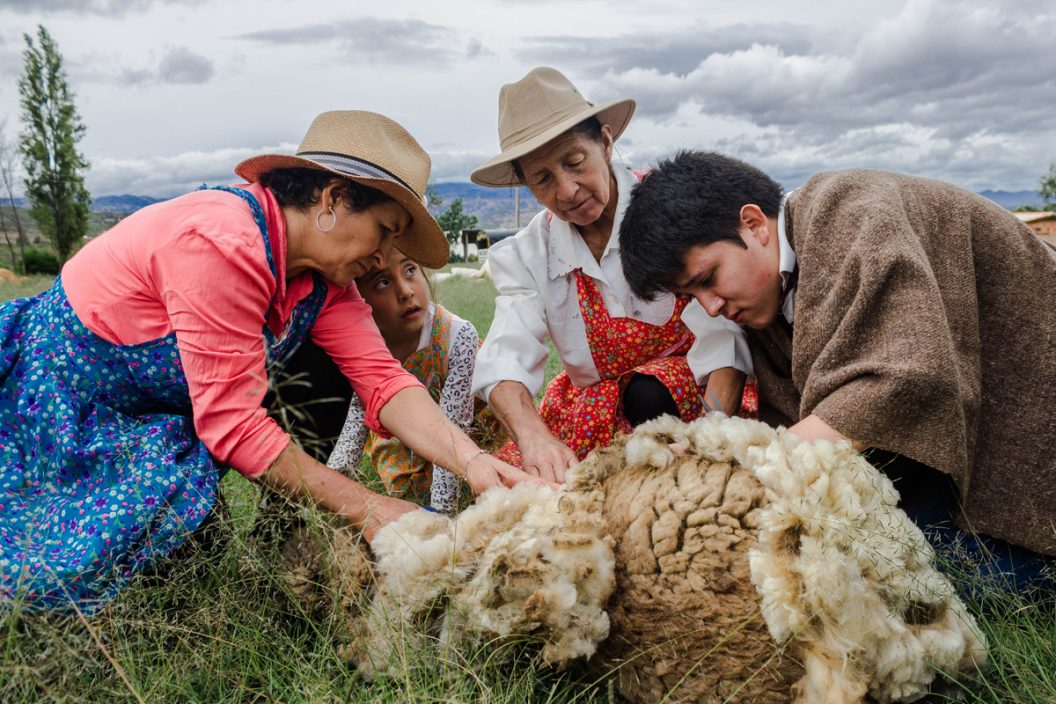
(720, 560)
(842, 578)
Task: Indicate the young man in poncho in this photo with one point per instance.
(906, 315)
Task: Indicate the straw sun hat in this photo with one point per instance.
(372, 150)
(534, 110)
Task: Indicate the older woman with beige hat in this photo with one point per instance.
(129, 387)
(625, 359)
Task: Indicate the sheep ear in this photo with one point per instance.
(679, 448)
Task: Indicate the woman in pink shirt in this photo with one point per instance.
(136, 380)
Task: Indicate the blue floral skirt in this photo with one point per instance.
(101, 472)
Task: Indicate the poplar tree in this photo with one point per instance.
(54, 168)
(8, 175)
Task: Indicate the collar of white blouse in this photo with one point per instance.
(566, 250)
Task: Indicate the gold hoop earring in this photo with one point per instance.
(333, 222)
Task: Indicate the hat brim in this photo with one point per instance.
(498, 172)
(423, 241)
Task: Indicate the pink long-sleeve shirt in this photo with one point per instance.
(196, 266)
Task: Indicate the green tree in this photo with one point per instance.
(433, 198)
(1048, 186)
(452, 221)
(54, 179)
(8, 175)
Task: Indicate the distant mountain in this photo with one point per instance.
(494, 207)
(122, 204)
(104, 204)
(1014, 199)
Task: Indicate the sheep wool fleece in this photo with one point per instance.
(721, 560)
(926, 326)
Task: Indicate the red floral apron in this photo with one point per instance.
(588, 418)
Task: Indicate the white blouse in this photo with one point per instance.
(533, 272)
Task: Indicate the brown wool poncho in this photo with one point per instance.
(925, 325)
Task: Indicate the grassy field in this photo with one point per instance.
(217, 626)
(474, 300)
(24, 286)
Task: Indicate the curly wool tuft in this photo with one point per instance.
(527, 560)
(844, 579)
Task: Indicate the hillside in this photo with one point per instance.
(494, 207)
(1014, 199)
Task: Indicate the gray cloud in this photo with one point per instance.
(454, 164)
(181, 65)
(382, 41)
(669, 53)
(126, 76)
(940, 88)
(979, 162)
(10, 61)
(178, 65)
(93, 7)
(161, 177)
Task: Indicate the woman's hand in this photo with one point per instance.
(413, 417)
(542, 454)
(384, 511)
(483, 472)
(546, 457)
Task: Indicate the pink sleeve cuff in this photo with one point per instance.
(382, 394)
(252, 459)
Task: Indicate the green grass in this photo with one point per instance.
(218, 626)
(474, 300)
(24, 286)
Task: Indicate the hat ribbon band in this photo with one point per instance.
(351, 166)
(549, 120)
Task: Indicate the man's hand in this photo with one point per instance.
(814, 428)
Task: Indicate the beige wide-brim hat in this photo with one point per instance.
(372, 150)
(534, 110)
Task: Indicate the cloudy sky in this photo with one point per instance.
(175, 92)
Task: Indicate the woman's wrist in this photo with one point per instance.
(476, 456)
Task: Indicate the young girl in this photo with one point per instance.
(436, 346)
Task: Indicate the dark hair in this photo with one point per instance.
(692, 199)
(301, 188)
(589, 128)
